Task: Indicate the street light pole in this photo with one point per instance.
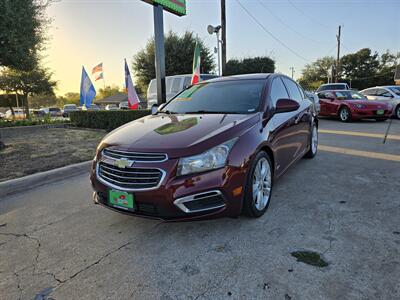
(223, 37)
(211, 30)
(159, 53)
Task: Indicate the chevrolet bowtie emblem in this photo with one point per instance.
(123, 163)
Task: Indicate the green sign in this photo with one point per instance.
(177, 7)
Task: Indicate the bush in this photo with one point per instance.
(108, 120)
(30, 122)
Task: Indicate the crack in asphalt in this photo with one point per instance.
(330, 215)
(18, 285)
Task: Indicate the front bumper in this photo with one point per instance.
(362, 113)
(181, 198)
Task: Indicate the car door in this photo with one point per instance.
(324, 103)
(282, 128)
(383, 95)
(301, 118)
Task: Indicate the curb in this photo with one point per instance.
(29, 182)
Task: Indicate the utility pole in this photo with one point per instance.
(292, 68)
(338, 54)
(159, 52)
(223, 37)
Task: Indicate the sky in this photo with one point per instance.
(87, 32)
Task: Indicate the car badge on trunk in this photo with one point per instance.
(123, 163)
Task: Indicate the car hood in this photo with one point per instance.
(178, 134)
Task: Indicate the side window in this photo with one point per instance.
(370, 92)
(303, 94)
(321, 96)
(294, 91)
(383, 93)
(176, 85)
(278, 91)
(168, 84)
(187, 82)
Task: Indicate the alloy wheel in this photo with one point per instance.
(344, 114)
(262, 181)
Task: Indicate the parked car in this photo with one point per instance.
(111, 107)
(68, 108)
(214, 150)
(91, 107)
(37, 113)
(52, 111)
(173, 85)
(350, 105)
(387, 94)
(19, 113)
(333, 86)
(123, 105)
(315, 100)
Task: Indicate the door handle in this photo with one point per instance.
(296, 119)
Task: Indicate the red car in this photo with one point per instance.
(350, 105)
(212, 151)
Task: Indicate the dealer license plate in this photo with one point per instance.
(120, 199)
(380, 112)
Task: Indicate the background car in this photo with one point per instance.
(111, 107)
(173, 85)
(387, 94)
(333, 86)
(315, 100)
(52, 111)
(69, 108)
(2, 116)
(350, 105)
(91, 107)
(19, 113)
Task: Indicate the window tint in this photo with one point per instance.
(176, 85)
(278, 91)
(294, 91)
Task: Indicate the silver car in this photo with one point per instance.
(315, 100)
(389, 94)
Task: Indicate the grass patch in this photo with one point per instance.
(310, 258)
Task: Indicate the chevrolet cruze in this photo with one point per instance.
(214, 150)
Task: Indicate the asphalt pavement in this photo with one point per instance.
(344, 204)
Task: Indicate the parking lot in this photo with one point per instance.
(344, 205)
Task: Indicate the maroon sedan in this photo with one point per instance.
(350, 105)
(214, 150)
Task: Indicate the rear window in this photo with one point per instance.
(176, 85)
(340, 86)
(54, 109)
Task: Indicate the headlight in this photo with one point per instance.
(360, 105)
(211, 159)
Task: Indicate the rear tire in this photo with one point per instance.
(313, 142)
(258, 189)
(345, 114)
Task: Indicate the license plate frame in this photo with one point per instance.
(121, 199)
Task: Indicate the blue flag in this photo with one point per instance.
(87, 89)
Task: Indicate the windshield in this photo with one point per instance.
(349, 95)
(241, 97)
(395, 89)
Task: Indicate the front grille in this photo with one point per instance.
(135, 156)
(129, 178)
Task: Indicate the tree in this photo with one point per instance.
(22, 32)
(259, 64)
(72, 98)
(317, 73)
(108, 91)
(178, 58)
(27, 83)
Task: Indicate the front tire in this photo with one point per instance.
(397, 112)
(313, 142)
(345, 114)
(259, 186)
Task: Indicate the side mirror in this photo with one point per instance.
(286, 105)
(154, 109)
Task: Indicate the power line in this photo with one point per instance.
(290, 27)
(270, 34)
